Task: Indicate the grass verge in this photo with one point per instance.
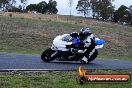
(55, 80)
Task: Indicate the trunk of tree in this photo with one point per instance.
(93, 15)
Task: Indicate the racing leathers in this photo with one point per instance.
(83, 43)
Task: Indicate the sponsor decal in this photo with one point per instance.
(105, 78)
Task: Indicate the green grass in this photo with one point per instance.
(32, 36)
(54, 80)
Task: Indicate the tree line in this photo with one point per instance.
(100, 9)
(42, 7)
(104, 10)
(10, 5)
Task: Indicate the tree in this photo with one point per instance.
(3, 3)
(70, 5)
(115, 17)
(130, 8)
(120, 13)
(52, 7)
(20, 7)
(14, 9)
(42, 7)
(13, 2)
(7, 4)
(102, 9)
(31, 7)
(94, 6)
(83, 6)
(123, 15)
(24, 2)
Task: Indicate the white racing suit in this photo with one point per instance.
(87, 43)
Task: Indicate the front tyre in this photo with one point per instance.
(46, 55)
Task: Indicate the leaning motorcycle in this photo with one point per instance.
(61, 50)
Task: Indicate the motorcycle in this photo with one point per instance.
(62, 50)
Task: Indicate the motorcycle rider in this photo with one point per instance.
(83, 40)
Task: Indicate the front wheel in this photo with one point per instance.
(46, 55)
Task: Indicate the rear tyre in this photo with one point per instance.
(46, 55)
(93, 56)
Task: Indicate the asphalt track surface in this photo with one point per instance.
(9, 61)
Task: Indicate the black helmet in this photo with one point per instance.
(84, 32)
(74, 34)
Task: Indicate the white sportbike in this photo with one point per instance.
(62, 49)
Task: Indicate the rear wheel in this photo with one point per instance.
(46, 55)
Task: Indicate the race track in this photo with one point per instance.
(22, 61)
